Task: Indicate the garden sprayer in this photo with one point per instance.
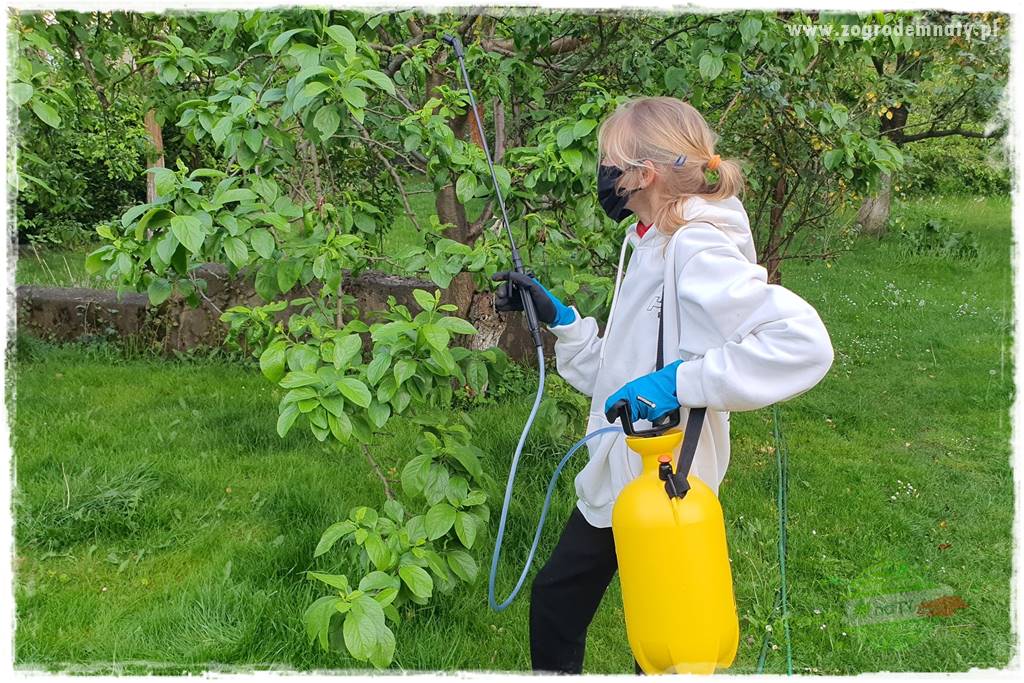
(668, 526)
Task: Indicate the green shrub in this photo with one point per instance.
(934, 238)
(954, 166)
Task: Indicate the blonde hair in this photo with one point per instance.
(675, 137)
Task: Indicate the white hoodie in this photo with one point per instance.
(745, 344)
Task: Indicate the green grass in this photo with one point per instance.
(55, 266)
(162, 525)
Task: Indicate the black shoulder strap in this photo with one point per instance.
(695, 421)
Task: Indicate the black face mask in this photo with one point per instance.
(613, 203)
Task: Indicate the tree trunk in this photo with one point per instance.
(773, 256)
(873, 216)
(477, 307)
(156, 157)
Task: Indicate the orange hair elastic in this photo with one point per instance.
(713, 162)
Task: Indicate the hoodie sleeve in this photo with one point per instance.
(577, 352)
(768, 344)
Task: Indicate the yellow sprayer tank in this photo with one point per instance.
(674, 565)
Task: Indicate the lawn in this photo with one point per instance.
(162, 525)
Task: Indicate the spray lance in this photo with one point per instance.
(534, 326)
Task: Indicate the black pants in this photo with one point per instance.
(566, 594)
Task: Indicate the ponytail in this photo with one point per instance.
(730, 182)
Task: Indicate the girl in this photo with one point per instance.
(731, 340)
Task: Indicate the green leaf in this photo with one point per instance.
(267, 189)
(476, 375)
(465, 187)
(583, 128)
(21, 93)
(335, 405)
(339, 581)
(378, 414)
(288, 272)
(327, 120)
(710, 66)
(414, 474)
(164, 179)
(424, 299)
(314, 88)
(46, 113)
(364, 624)
(437, 337)
(504, 179)
(159, 289)
(236, 194)
(155, 218)
(345, 349)
(253, 139)
(340, 426)
(463, 565)
(342, 36)
(286, 419)
(331, 536)
(465, 528)
(833, 158)
(354, 96)
(394, 510)
(355, 391)
(439, 520)
(378, 552)
(300, 378)
(573, 158)
(189, 231)
(676, 80)
(166, 247)
(378, 580)
(457, 325)
(236, 251)
(223, 128)
(272, 361)
(437, 484)
(279, 42)
(565, 136)
(384, 650)
(749, 28)
(404, 369)
(840, 116)
(443, 357)
(467, 457)
(262, 242)
(417, 580)
(379, 79)
(377, 367)
(317, 619)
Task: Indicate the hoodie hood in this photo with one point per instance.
(728, 215)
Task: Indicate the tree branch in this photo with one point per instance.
(378, 471)
(394, 176)
(928, 134)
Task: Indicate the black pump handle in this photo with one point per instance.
(620, 411)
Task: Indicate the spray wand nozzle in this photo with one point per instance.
(517, 263)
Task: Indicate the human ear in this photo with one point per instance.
(648, 174)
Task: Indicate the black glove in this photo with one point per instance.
(550, 310)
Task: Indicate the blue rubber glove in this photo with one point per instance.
(651, 396)
(550, 310)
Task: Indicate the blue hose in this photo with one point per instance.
(495, 605)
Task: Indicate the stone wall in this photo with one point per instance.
(67, 314)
